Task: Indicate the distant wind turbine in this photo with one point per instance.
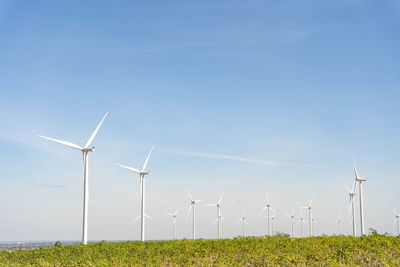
(173, 215)
(85, 150)
(352, 193)
(314, 223)
(292, 217)
(267, 207)
(360, 180)
(142, 173)
(193, 205)
(301, 220)
(243, 220)
(396, 220)
(339, 221)
(273, 221)
(309, 216)
(219, 217)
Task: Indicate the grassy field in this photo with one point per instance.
(250, 251)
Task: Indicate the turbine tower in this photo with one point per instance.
(292, 217)
(309, 216)
(219, 217)
(352, 193)
(396, 220)
(339, 221)
(360, 180)
(243, 220)
(267, 207)
(142, 173)
(193, 204)
(85, 150)
(173, 215)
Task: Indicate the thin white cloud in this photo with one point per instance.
(222, 156)
(52, 186)
(236, 158)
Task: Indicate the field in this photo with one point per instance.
(250, 251)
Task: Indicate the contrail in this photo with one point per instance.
(222, 156)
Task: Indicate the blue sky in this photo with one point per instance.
(308, 84)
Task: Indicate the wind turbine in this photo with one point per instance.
(352, 193)
(301, 220)
(314, 222)
(292, 217)
(309, 215)
(85, 150)
(339, 221)
(267, 207)
(193, 204)
(243, 220)
(360, 180)
(142, 173)
(219, 217)
(272, 221)
(173, 215)
(396, 220)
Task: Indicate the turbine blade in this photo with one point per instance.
(95, 132)
(311, 200)
(355, 169)
(220, 198)
(129, 168)
(137, 218)
(65, 143)
(190, 196)
(200, 200)
(147, 159)
(190, 208)
(354, 188)
(395, 211)
(147, 216)
(348, 190)
(262, 210)
(177, 210)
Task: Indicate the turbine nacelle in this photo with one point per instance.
(88, 149)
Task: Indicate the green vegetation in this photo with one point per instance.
(373, 249)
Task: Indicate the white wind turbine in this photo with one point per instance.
(292, 217)
(219, 217)
(309, 216)
(267, 207)
(360, 180)
(339, 221)
(142, 173)
(396, 220)
(243, 220)
(352, 193)
(301, 220)
(193, 204)
(273, 221)
(85, 150)
(314, 223)
(173, 215)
